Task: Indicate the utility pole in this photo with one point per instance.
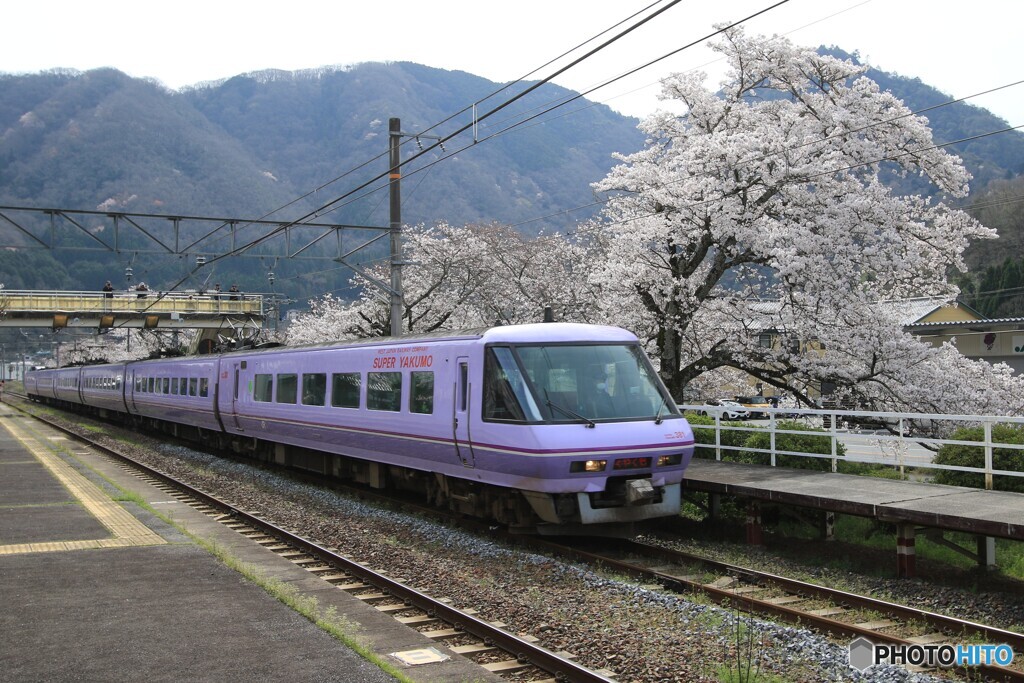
(394, 138)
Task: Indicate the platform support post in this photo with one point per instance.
(714, 505)
(906, 555)
(755, 533)
(828, 526)
(987, 552)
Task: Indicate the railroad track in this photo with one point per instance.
(840, 613)
(487, 643)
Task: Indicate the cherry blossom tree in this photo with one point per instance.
(755, 231)
(114, 347)
(460, 277)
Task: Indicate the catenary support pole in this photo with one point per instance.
(395, 186)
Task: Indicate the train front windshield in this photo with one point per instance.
(572, 383)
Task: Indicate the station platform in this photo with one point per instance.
(908, 504)
(98, 588)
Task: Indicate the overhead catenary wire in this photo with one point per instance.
(818, 141)
(437, 143)
(564, 101)
(558, 103)
(502, 132)
(468, 108)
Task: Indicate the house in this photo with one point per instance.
(934, 320)
(995, 340)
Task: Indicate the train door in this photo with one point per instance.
(236, 380)
(461, 410)
(129, 391)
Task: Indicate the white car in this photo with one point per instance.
(728, 409)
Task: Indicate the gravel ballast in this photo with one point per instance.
(607, 622)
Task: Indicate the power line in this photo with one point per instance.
(558, 103)
(438, 143)
(825, 139)
(468, 108)
(763, 157)
(445, 138)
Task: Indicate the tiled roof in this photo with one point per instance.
(970, 323)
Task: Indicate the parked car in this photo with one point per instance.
(731, 410)
(757, 406)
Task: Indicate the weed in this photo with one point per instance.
(744, 650)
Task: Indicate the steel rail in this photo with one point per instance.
(525, 651)
(788, 614)
(950, 625)
(938, 621)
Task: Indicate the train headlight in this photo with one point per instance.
(588, 466)
(667, 460)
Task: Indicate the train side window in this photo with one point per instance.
(204, 386)
(174, 386)
(314, 389)
(287, 387)
(192, 386)
(506, 397)
(384, 391)
(345, 389)
(463, 386)
(421, 392)
(152, 384)
(264, 388)
(183, 386)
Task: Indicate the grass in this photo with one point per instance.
(328, 620)
(131, 497)
(93, 428)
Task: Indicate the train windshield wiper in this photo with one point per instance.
(664, 404)
(565, 411)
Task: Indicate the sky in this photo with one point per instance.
(960, 48)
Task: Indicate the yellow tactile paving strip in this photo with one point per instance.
(126, 530)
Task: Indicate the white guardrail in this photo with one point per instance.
(900, 440)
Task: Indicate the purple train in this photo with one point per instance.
(556, 426)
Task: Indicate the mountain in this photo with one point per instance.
(254, 143)
(310, 126)
(251, 144)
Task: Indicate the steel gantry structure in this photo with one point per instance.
(119, 232)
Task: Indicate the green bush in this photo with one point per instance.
(813, 441)
(810, 441)
(974, 456)
(707, 436)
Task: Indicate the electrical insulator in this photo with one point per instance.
(270, 277)
(200, 260)
(128, 273)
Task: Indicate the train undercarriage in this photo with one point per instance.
(610, 512)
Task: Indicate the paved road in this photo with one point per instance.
(883, 448)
